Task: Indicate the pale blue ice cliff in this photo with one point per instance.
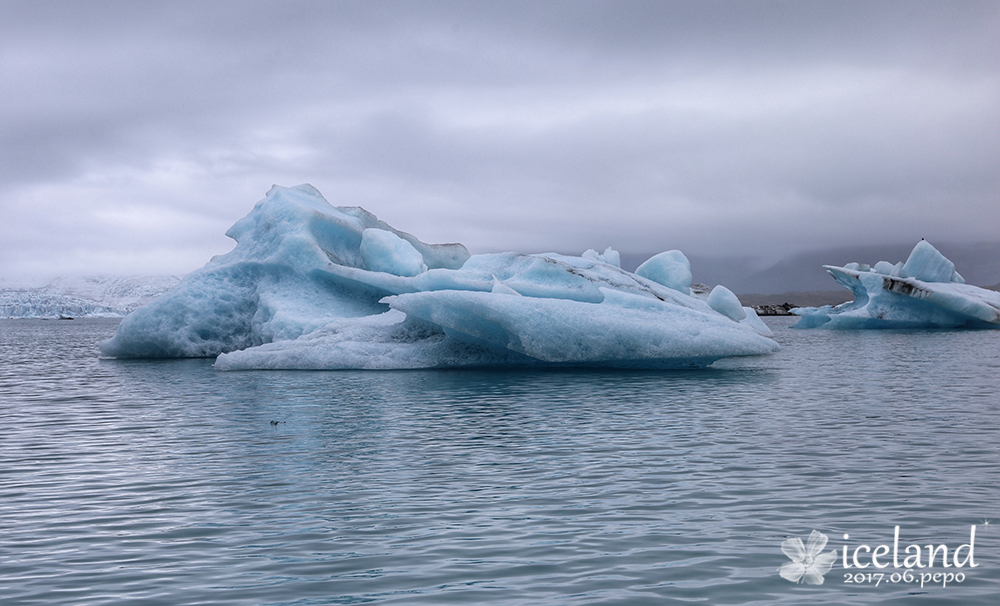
(310, 286)
(923, 292)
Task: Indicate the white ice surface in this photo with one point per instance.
(753, 321)
(923, 292)
(609, 256)
(313, 286)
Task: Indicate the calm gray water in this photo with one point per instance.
(167, 482)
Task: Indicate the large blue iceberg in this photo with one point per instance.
(310, 286)
(923, 292)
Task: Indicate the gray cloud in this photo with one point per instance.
(134, 133)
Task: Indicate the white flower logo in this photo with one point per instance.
(809, 563)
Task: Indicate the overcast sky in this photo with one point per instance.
(133, 134)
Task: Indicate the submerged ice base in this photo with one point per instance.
(310, 286)
(923, 292)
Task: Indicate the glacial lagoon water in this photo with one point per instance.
(168, 482)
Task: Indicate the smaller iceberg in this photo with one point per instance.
(923, 292)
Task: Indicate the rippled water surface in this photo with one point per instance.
(168, 482)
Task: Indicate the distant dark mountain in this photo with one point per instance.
(800, 299)
(804, 271)
(979, 264)
(707, 270)
(630, 261)
(731, 272)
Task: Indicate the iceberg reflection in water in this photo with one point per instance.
(165, 482)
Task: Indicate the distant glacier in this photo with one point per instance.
(84, 297)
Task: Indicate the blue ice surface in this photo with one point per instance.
(311, 286)
(722, 300)
(671, 269)
(923, 292)
(384, 251)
